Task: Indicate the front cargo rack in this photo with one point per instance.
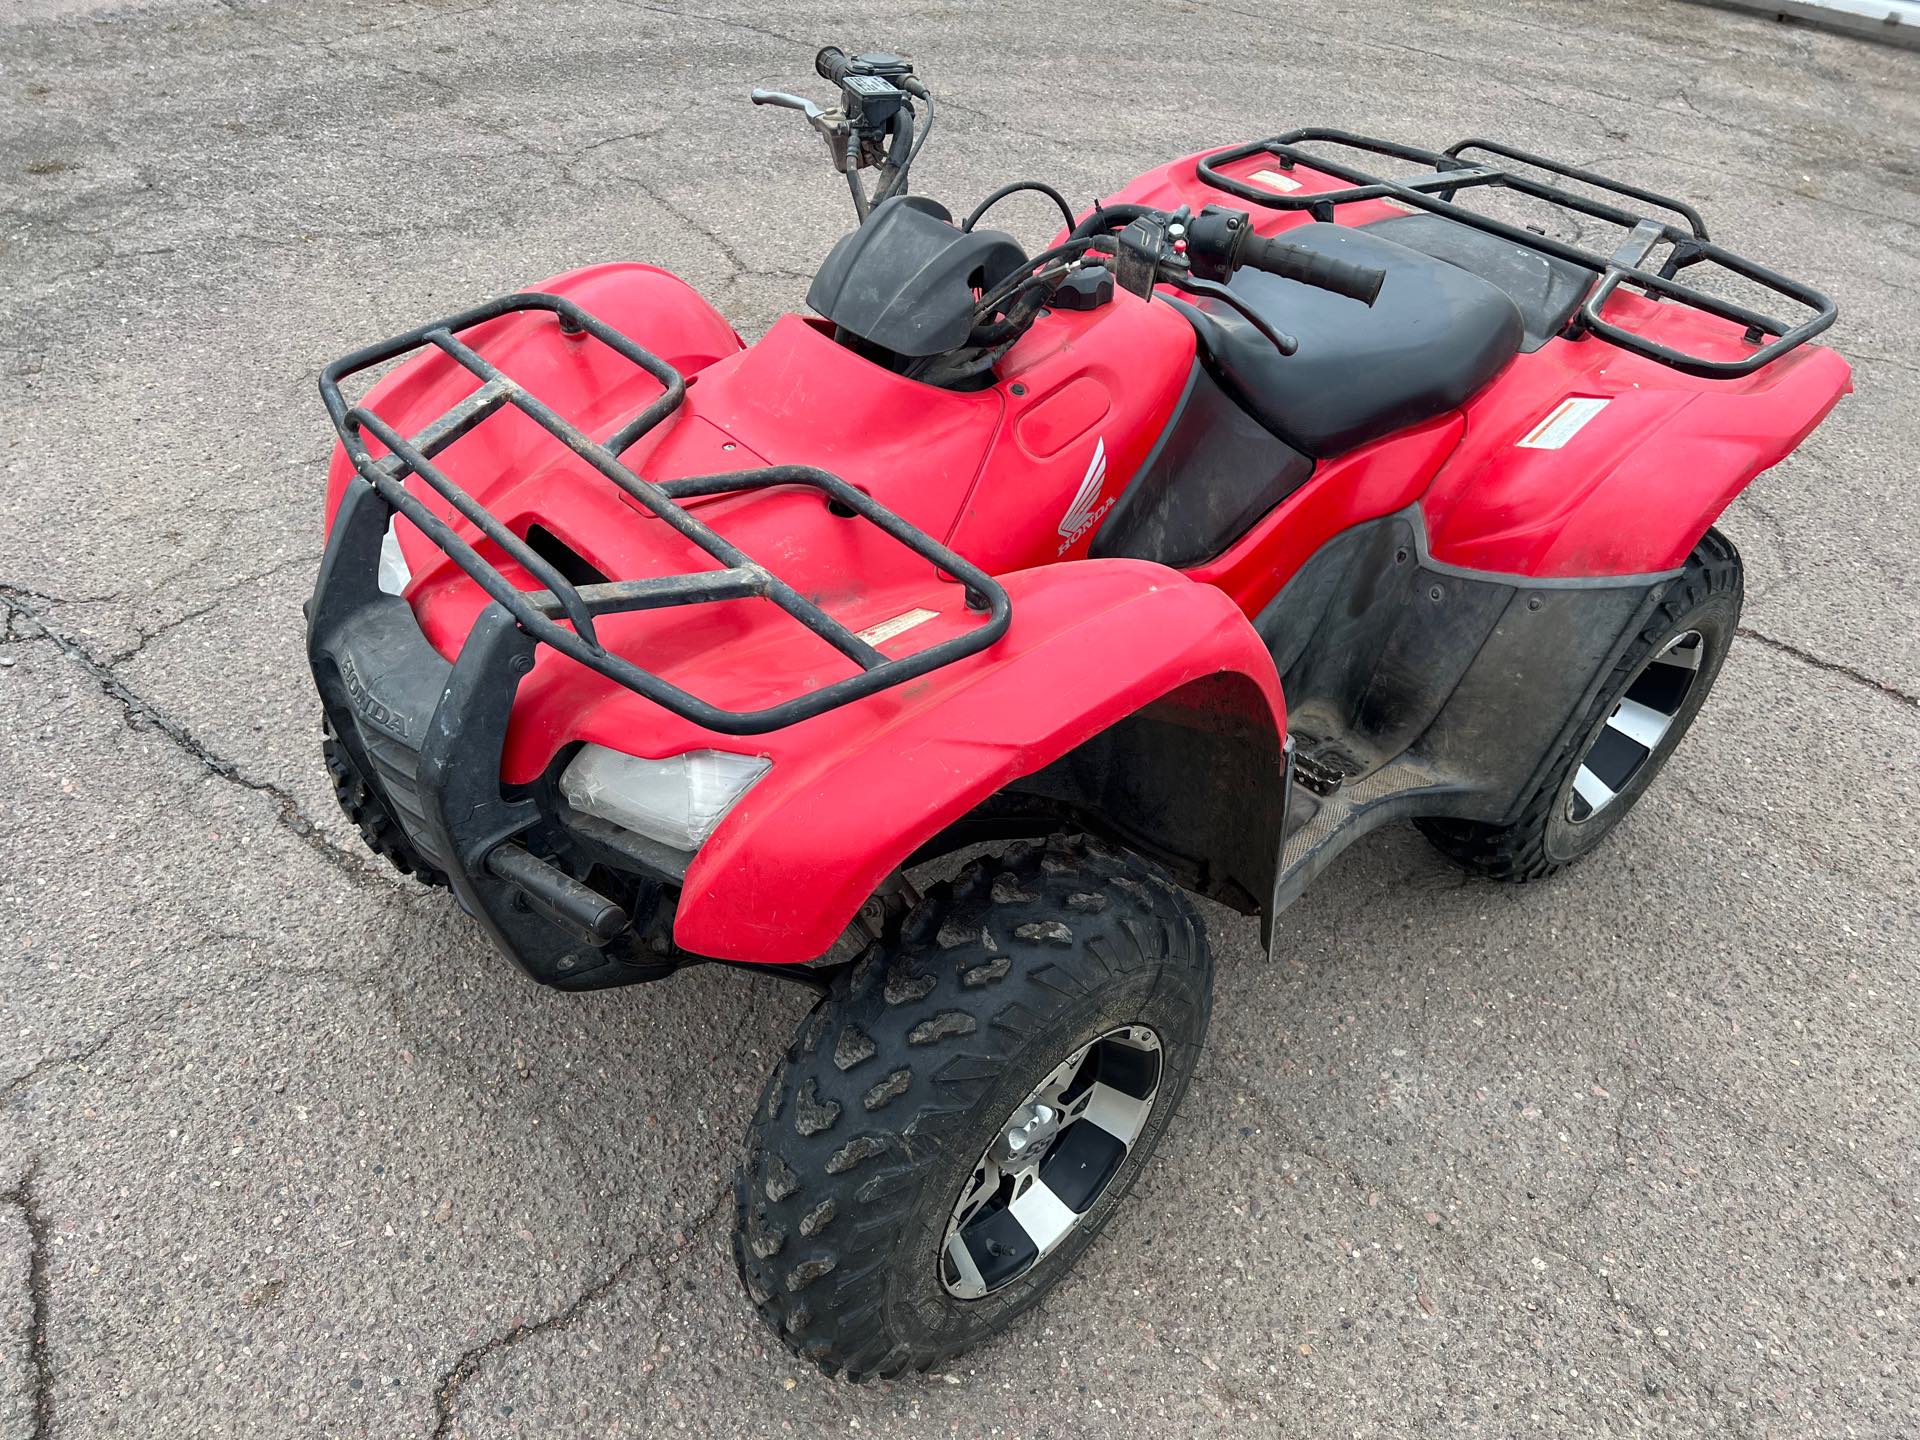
(540, 612)
(1453, 173)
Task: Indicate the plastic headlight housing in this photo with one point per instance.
(677, 801)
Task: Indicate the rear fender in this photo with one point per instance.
(1645, 459)
(1122, 690)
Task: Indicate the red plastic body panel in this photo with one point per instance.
(952, 463)
(1634, 489)
(853, 791)
(1088, 396)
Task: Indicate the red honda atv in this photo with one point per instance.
(1279, 499)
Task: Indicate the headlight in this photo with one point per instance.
(677, 801)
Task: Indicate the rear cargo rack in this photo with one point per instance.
(540, 612)
(1452, 173)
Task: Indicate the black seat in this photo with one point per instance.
(1546, 288)
(1435, 335)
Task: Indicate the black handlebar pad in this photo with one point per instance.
(1309, 267)
(831, 64)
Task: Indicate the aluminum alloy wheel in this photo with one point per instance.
(1639, 723)
(1053, 1157)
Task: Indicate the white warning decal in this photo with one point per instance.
(1275, 180)
(1562, 423)
(898, 625)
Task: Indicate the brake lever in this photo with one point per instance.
(831, 124)
(784, 101)
(1212, 290)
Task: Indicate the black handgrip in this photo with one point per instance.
(831, 63)
(1310, 267)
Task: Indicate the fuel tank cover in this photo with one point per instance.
(1055, 421)
(907, 278)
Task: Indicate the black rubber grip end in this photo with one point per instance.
(1309, 267)
(831, 63)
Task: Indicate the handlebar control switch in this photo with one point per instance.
(1215, 238)
(1143, 248)
(870, 101)
(873, 91)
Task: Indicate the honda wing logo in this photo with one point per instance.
(1086, 509)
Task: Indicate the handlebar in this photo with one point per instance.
(1221, 240)
(1309, 267)
(875, 125)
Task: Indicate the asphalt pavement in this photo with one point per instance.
(285, 1150)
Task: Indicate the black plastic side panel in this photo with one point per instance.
(1215, 472)
(1197, 780)
(1369, 646)
(1387, 657)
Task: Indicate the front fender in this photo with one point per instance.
(1090, 644)
(585, 381)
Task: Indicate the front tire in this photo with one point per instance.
(1033, 1000)
(362, 804)
(1637, 719)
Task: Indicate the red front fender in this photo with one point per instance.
(596, 388)
(853, 793)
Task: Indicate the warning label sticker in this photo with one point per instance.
(1562, 423)
(1275, 180)
(898, 625)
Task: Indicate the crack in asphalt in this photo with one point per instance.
(446, 1395)
(25, 1197)
(26, 1078)
(1448, 1246)
(289, 814)
(1833, 667)
(214, 602)
(1650, 1327)
(1452, 1248)
(1630, 1087)
(725, 22)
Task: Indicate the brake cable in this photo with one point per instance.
(997, 298)
(1038, 186)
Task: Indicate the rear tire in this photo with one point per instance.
(1654, 692)
(871, 1139)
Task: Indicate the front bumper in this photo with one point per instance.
(428, 735)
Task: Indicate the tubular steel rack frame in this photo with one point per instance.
(540, 612)
(1452, 174)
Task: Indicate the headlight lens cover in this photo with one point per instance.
(677, 801)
